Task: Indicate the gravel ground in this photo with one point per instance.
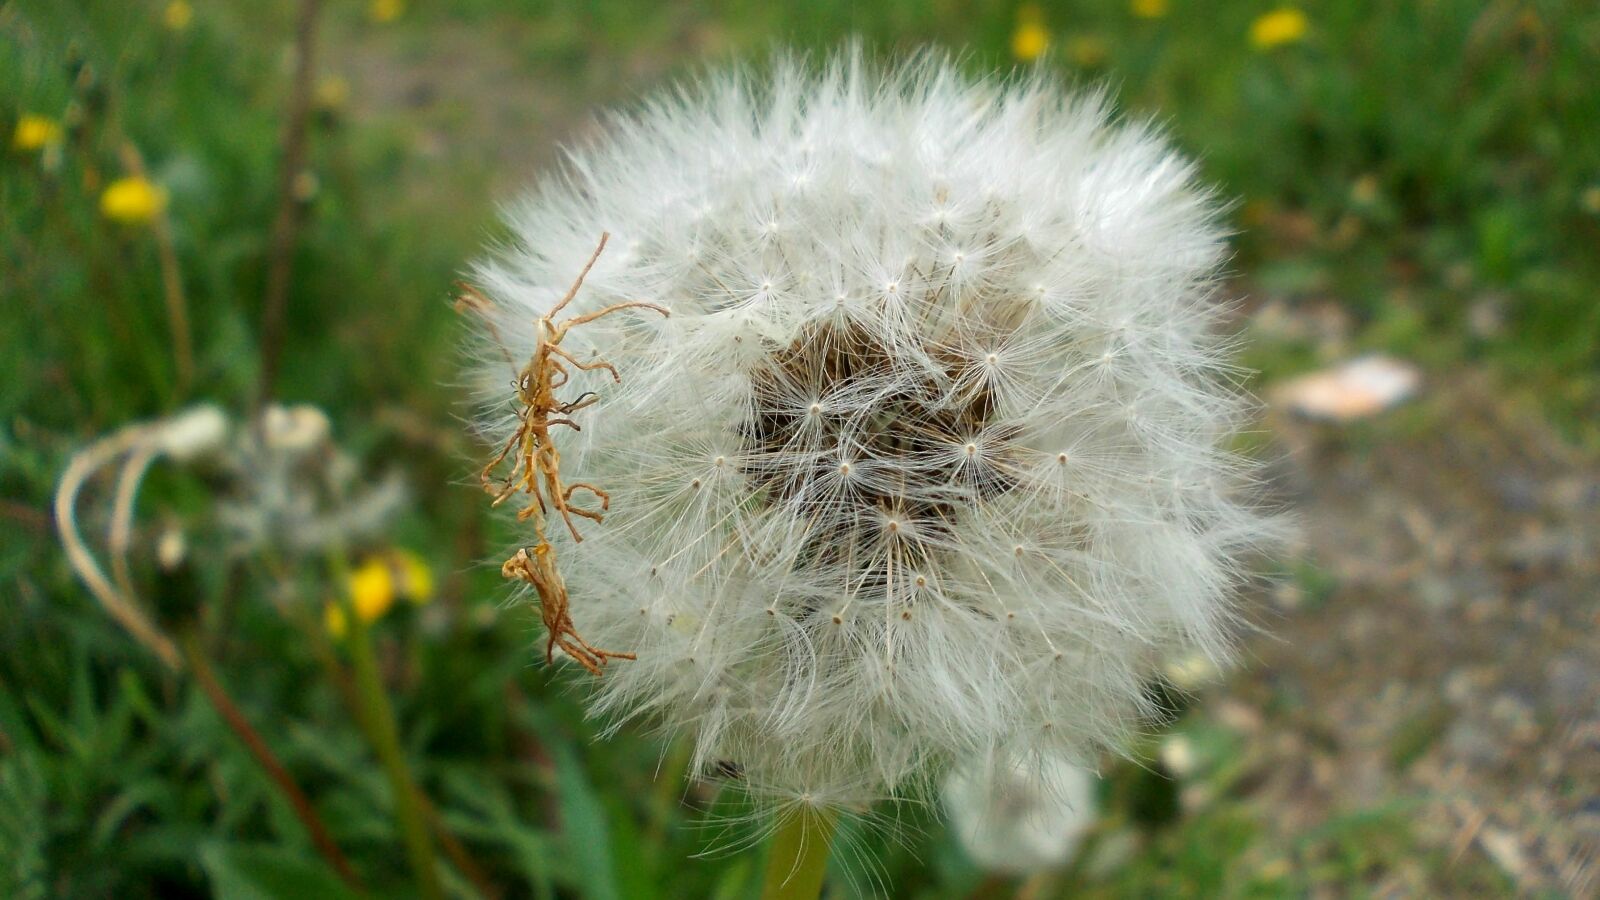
(1442, 648)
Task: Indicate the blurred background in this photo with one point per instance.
(194, 208)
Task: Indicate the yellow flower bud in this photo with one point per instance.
(35, 133)
(1279, 27)
(132, 200)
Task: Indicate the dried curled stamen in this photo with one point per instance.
(539, 569)
(536, 463)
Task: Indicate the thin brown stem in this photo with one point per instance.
(456, 851)
(231, 714)
(171, 281)
(285, 226)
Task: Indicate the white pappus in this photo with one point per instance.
(929, 459)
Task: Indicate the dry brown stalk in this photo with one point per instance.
(121, 606)
(280, 260)
(171, 279)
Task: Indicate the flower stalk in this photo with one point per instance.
(171, 279)
(286, 223)
(377, 717)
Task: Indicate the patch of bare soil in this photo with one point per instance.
(1453, 665)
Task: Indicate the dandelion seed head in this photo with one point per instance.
(930, 530)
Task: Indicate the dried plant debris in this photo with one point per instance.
(536, 462)
(1358, 389)
(277, 483)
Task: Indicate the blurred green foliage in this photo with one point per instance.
(1411, 162)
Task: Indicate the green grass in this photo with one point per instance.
(1406, 161)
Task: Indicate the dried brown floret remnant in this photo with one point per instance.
(536, 463)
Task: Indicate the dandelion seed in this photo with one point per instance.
(35, 132)
(132, 201)
(896, 566)
(1178, 755)
(1021, 816)
(1277, 28)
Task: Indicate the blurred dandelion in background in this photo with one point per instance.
(133, 200)
(35, 132)
(1021, 816)
(292, 490)
(278, 487)
(1031, 38)
(1279, 27)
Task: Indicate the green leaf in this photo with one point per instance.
(583, 826)
(264, 872)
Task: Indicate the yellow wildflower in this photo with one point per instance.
(413, 577)
(1086, 51)
(177, 15)
(1148, 9)
(132, 200)
(36, 132)
(1279, 27)
(372, 589)
(381, 11)
(1031, 38)
(374, 585)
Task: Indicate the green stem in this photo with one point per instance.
(798, 859)
(385, 737)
